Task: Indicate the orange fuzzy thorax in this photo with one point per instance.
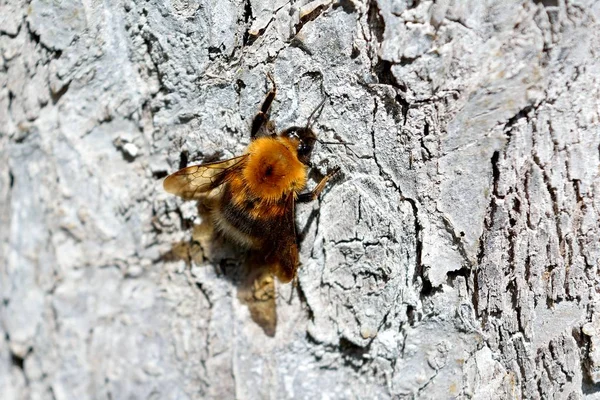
(273, 169)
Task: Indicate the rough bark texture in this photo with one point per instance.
(457, 256)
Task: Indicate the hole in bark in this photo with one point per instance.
(426, 154)
(239, 85)
(252, 37)
(184, 118)
(34, 37)
(464, 272)
(427, 288)
(159, 174)
(475, 298)
(404, 106)
(515, 118)
(406, 60)
(300, 45)
(347, 5)
(547, 3)
(375, 21)
(413, 3)
(383, 70)
(247, 40)
(183, 159)
(17, 361)
(311, 16)
(247, 11)
(56, 96)
(410, 315)
(11, 179)
(583, 342)
(352, 353)
(588, 386)
(511, 288)
(11, 97)
(517, 205)
(517, 209)
(495, 172)
(126, 156)
(213, 52)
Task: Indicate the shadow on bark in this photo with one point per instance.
(254, 281)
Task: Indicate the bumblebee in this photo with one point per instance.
(252, 197)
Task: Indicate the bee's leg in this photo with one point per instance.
(262, 117)
(310, 196)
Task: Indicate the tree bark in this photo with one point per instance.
(456, 256)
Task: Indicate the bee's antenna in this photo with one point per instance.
(314, 114)
(342, 143)
(312, 118)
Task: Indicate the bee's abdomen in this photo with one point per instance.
(247, 220)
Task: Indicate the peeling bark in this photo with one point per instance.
(457, 256)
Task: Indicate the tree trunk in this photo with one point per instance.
(456, 256)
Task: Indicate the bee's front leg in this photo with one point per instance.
(262, 117)
(312, 195)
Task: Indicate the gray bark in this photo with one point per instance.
(457, 255)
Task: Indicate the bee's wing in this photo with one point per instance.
(195, 181)
(285, 258)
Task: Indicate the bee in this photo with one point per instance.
(251, 198)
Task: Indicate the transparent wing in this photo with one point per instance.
(195, 181)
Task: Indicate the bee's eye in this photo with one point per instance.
(303, 149)
(306, 141)
(293, 135)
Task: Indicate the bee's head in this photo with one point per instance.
(305, 139)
